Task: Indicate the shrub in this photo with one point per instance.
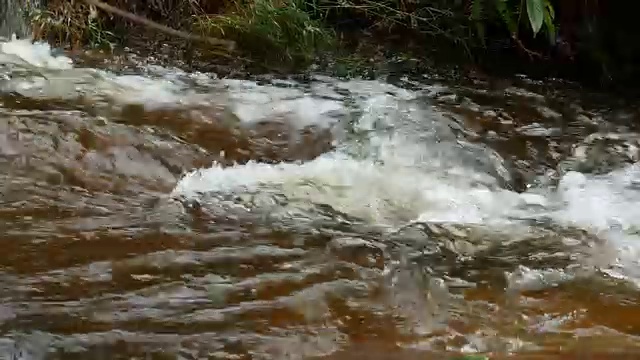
(273, 31)
(74, 23)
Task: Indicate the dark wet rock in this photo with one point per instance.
(492, 136)
(129, 162)
(413, 245)
(584, 119)
(576, 108)
(447, 98)
(362, 252)
(413, 235)
(441, 244)
(523, 175)
(548, 113)
(489, 113)
(98, 155)
(468, 104)
(12, 146)
(460, 239)
(523, 93)
(276, 141)
(538, 130)
(464, 251)
(219, 133)
(601, 153)
(624, 116)
(490, 162)
(505, 120)
(548, 245)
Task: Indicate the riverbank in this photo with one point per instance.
(353, 38)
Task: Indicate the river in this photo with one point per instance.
(152, 213)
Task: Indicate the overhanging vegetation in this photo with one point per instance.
(295, 32)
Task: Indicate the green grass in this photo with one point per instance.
(276, 33)
(67, 23)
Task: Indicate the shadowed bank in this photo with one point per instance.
(591, 41)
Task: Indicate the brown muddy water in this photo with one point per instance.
(151, 213)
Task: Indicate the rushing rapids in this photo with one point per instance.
(153, 213)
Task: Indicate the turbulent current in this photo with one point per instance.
(149, 212)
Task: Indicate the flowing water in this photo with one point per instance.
(147, 212)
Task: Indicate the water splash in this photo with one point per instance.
(33, 70)
(398, 162)
(401, 162)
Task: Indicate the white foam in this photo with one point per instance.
(601, 202)
(38, 54)
(36, 72)
(252, 103)
(609, 206)
(382, 194)
(401, 164)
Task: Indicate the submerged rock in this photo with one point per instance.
(600, 153)
(359, 251)
(12, 148)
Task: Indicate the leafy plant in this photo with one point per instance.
(540, 13)
(270, 30)
(68, 22)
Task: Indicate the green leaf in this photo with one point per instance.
(505, 13)
(535, 11)
(477, 17)
(481, 33)
(476, 10)
(550, 9)
(551, 28)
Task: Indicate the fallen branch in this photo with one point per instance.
(154, 25)
(532, 54)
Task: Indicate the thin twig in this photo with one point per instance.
(522, 47)
(135, 18)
